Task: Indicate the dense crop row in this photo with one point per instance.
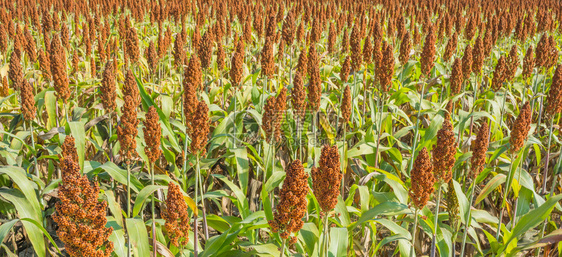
(280, 128)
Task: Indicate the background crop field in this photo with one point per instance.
(280, 128)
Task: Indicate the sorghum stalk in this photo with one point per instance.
(414, 230)
(128, 207)
(555, 178)
(326, 233)
(417, 127)
(381, 100)
(436, 221)
(283, 248)
(468, 217)
(152, 210)
(504, 195)
(195, 231)
(545, 172)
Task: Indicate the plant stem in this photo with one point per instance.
(152, 210)
(382, 98)
(468, 217)
(283, 248)
(205, 227)
(417, 128)
(33, 146)
(436, 223)
(555, 178)
(502, 111)
(504, 196)
(414, 233)
(195, 230)
(128, 207)
(326, 234)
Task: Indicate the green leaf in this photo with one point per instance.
(5, 229)
(533, 218)
(121, 175)
(114, 207)
(18, 176)
(386, 208)
(463, 201)
(218, 223)
(77, 130)
(142, 196)
(242, 201)
(242, 167)
(25, 210)
(119, 243)
(495, 182)
(338, 242)
(40, 227)
(50, 105)
(136, 230)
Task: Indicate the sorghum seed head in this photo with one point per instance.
(292, 201)
(444, 151)
(176, 216)
(422, 179)
(326, 179)
(107, 88)
(479, 148)
(152, 134)
(520, 128)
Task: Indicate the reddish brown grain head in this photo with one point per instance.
(152, 134)
(267, 61)
(221, 56)
(176, 216)
(444, 152)
(520, 128)
(467, 62)
(302, 64)
(268, 120)
(292, 202)
(44, 64)
(345, 69)
(456, 76)
(107, 88)
(151, 56)
(289, 28)
(127, 129)
(528, 62)
(386, 67)
(28, 101)
(193, 73)
(512, 63)
(428, 53)
(205, 50)
(478, 55)
(58, 69)
(200, 128)
(499, 74)
(421, 179)
(80, 217)
(405, 48)
(326, 179)
(479, 148)
(315, 82)
(15, 72)
(451, 47)
(346, 104)
(298, 96)
(554, 99)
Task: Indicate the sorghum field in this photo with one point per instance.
(280, 128)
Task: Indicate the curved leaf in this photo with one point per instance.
(136, 230)
(142, 196)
